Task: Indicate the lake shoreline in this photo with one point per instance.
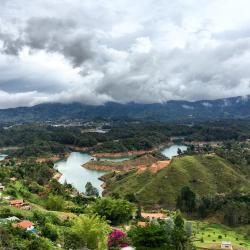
(105, 167)
(116, 155)
(78, 168)
(70, 170)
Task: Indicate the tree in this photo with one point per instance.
(117, 211)
(169, 225)
(131, 197)
(188, 227)
(90, 190)
(39, 244)
(90, 231)
(179, 152)
(179, 236)
(138, 215)
(153, 235)
(50, 231)
(186, 201)
(55, 202)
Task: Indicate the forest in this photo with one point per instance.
(121, 136)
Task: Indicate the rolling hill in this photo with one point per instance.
(204, 174)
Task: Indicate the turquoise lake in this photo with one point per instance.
(73, 172)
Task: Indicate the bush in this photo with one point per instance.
(50, 231)
(117, 239)
(87, 231)
(55, 202)
(117, 211)
(153, 235)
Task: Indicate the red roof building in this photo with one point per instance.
(16, 203)
(25, 224)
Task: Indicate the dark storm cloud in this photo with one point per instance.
(52, 35)
(98, 51)
(55, 35)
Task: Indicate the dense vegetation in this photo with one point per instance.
(66, 219)
(208, 181)
(236, 107)
(170, 234)
(38, 139)
(204, 174)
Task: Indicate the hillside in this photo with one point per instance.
(235, 107)
(208, 174)
(146, 159)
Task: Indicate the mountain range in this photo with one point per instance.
(226, 108)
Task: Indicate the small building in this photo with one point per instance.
(152, 216)
(226, 245)
(13, 179)
(25, 207)
(9, 219)
(26, 225)
(20, 204)
(7, 198)
(12, 218)
(16, 203)
(141, 224)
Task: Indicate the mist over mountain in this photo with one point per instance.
(233, 108)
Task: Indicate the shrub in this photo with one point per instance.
(117, 239)
(90, 231)
(153, 235)
(117, 211)
(55, 202)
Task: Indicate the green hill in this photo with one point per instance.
(204, 174)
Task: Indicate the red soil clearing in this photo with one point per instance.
(155, 167)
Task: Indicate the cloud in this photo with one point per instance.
(99, 51)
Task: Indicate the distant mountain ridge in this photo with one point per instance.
(231, 108)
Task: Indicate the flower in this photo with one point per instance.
(117, 239)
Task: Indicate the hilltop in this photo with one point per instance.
(204, 174)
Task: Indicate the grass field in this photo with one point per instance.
(215, 233)
(207, 174)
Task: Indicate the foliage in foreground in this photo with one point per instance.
(90, 231)
(117, 211)
(170, 234)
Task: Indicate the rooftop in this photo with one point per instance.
(153, 215)
(24, 224)
(14, 202)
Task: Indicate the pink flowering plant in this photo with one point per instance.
(117, 239)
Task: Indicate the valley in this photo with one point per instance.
(60, 177)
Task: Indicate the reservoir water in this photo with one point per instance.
(73, 172)
(173, 150)
(2, 157)
(120, 159)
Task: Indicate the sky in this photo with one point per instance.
(144, 51)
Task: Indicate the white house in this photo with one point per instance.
(13, 218)
(226, 245)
